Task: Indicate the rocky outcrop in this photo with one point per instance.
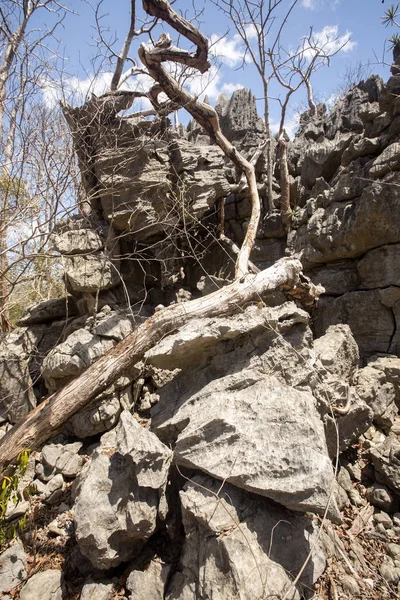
(118, 493)
(201, 470)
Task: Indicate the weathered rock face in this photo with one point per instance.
(238, 115)
(16, 387)
(348, 226)
(228, 545)
(225, 428)
(118, 494)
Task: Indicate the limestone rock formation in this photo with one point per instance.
(197, 470)
(118, 493)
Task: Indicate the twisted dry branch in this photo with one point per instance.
(204, 114)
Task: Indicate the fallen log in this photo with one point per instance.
(47, 418)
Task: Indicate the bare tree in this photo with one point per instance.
(254, 21)
(292, 70)
(21, 45)
(260, 28)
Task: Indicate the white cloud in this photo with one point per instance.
(210, 84)
(329, 40)
(228, 51)
(290, 126)
(74, 90)
(311, 4)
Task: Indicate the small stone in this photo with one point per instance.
(389, 573)
(378, 438)
(97, 591)
(393, 550)
(369, 434)
(369, 583)
(380, 496)
(396, 518)
(384, 519)
(350, 585)
(395, 428)
(354, 471)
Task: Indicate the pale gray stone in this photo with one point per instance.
(63, 458)
(91, 272)
(338, 352)
(393, 550)
(46, 585)
(255, 432)
(242, 544)
(97, 591)
(118, 493)
(389, 573)
(349, 584)
(47, 490)
(13, 566)
(387, 161)
(72, 357)
(373, 387)
(78, 241)
(98, 417)
(150, 583)
(49, 310)
(379, 495)
(386, 460)
(383, 518)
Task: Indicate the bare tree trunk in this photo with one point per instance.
(311, 103)
(44, 421)
(4, 314)
(271, 206)
(125, 49)
(285, 184)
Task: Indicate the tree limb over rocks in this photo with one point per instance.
(285, 274)
(44, 421)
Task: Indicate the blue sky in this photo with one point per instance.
(358, 21)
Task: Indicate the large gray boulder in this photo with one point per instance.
(242, 545)
(253, 431)
(47, 585)
(118, 494)
(368, 316)
(16, 388)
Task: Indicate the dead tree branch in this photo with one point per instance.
(49, 416)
